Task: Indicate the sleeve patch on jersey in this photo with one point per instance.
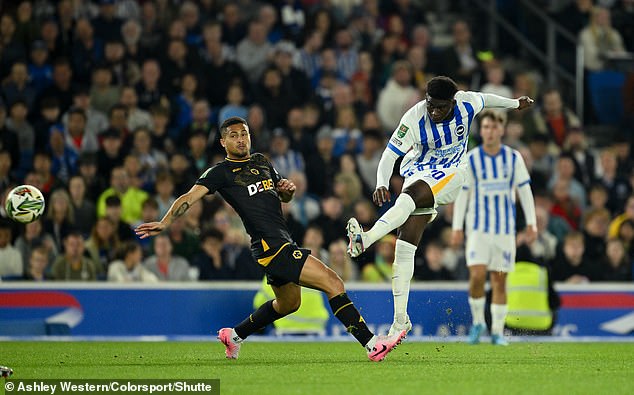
(402, 131)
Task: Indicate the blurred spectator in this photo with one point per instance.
(96, 121)
(73, 265)
(595, 231)
(149, 90)
(84, 209)
(183, 102)
(11, 264)
(18, 124)
(433, 269)
(576, 146)
(284, 159)
(183, 174)
(111, 153)
(564, 205)
(151, 160)
(6, 179)
(15, 86)
(60, 217)
(33, 238)
(103, 94)
(86, 51)
(618, 187)
(102, 245)
(275, 98)
(380, 270)
(495, 81)
(184, 243)
(340, 262)
(37, 268)
(163, 264)
(347, 187)
(291, 76)
(235, 104)
(39, 70)
(308, 57)
(322, 166)
(460, 60)
(600, 40)
(575, 15)
(368, 160)
(63, 157)
(544, 248)
(11, 49)
(87, 164)
(107, 24)
(209, 261)
(330, 220)
(129, 267)
(132, 198)
(571, 265)
(303, 207)
(252, 53)
(543, 160)
(42, 165)
(131, 33)
(314, 241)
(346, 133)
(233, 29)
(617, 265)
(179, 60)
(63, 86)
(627, 214)
(565, 172)
(26, 30)
(137, 118)
(551, 118)
(393, 99)
(78, 137)
(597, 197)
(124, 71)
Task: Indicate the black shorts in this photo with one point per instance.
(285, 265)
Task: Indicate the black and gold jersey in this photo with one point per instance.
(249, 187)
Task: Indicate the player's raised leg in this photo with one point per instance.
(287, 300)
(318, 276)
(498, 308)
(477, 279)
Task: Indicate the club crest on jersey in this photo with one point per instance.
(255, 171)
(260, 186)
(460, 130)
(297, 254)
(402, 131)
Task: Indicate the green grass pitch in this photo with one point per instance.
(341, 368)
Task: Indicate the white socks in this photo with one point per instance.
(477, 310)
(392, 219)
(498, 316)
(370, 344)
(402, 272)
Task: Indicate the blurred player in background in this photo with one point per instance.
(496, 173)
(432, 137)
(251, 185)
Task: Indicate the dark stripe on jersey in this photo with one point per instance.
(396, 150)
(486, 214)
(496, 201)
(447, 131)
(477, 196)
(484, 167)
(494, 165)
(506, 213)
(514, 158)
(423, 139)
(435, 133)
(470, 114)
(504, 167)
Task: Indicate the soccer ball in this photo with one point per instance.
(25, 204)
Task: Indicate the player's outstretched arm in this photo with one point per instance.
(495, 101)
(285, 189)
(178, 208)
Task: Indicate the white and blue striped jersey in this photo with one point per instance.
(492, 182)
(428, 145)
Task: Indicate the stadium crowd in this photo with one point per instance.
(111, 108)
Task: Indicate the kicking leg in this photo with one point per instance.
(317, 275)
(403, 268)
(498, 308)
(287, 300)
(477, 279)
(417, 195)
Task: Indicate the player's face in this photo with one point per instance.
(439, 110)
(237, 141)
(491, 132)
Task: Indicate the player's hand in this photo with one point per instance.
(149, 229)
(525, 102)
(285, 186)
(380, 196)
(457, 238)
(530, 235)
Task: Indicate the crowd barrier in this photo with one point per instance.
(179, 309)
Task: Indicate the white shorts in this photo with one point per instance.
(444, 183)
(497, 252)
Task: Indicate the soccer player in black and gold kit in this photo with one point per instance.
(251, 185)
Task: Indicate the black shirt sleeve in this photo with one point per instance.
(213, 178)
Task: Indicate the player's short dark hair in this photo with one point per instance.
(442, 88)
(228, 122)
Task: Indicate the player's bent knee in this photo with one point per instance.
(335, 284)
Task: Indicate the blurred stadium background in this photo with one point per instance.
(112, 107)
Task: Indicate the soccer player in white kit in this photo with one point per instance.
(496, 172)
(432, 137)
